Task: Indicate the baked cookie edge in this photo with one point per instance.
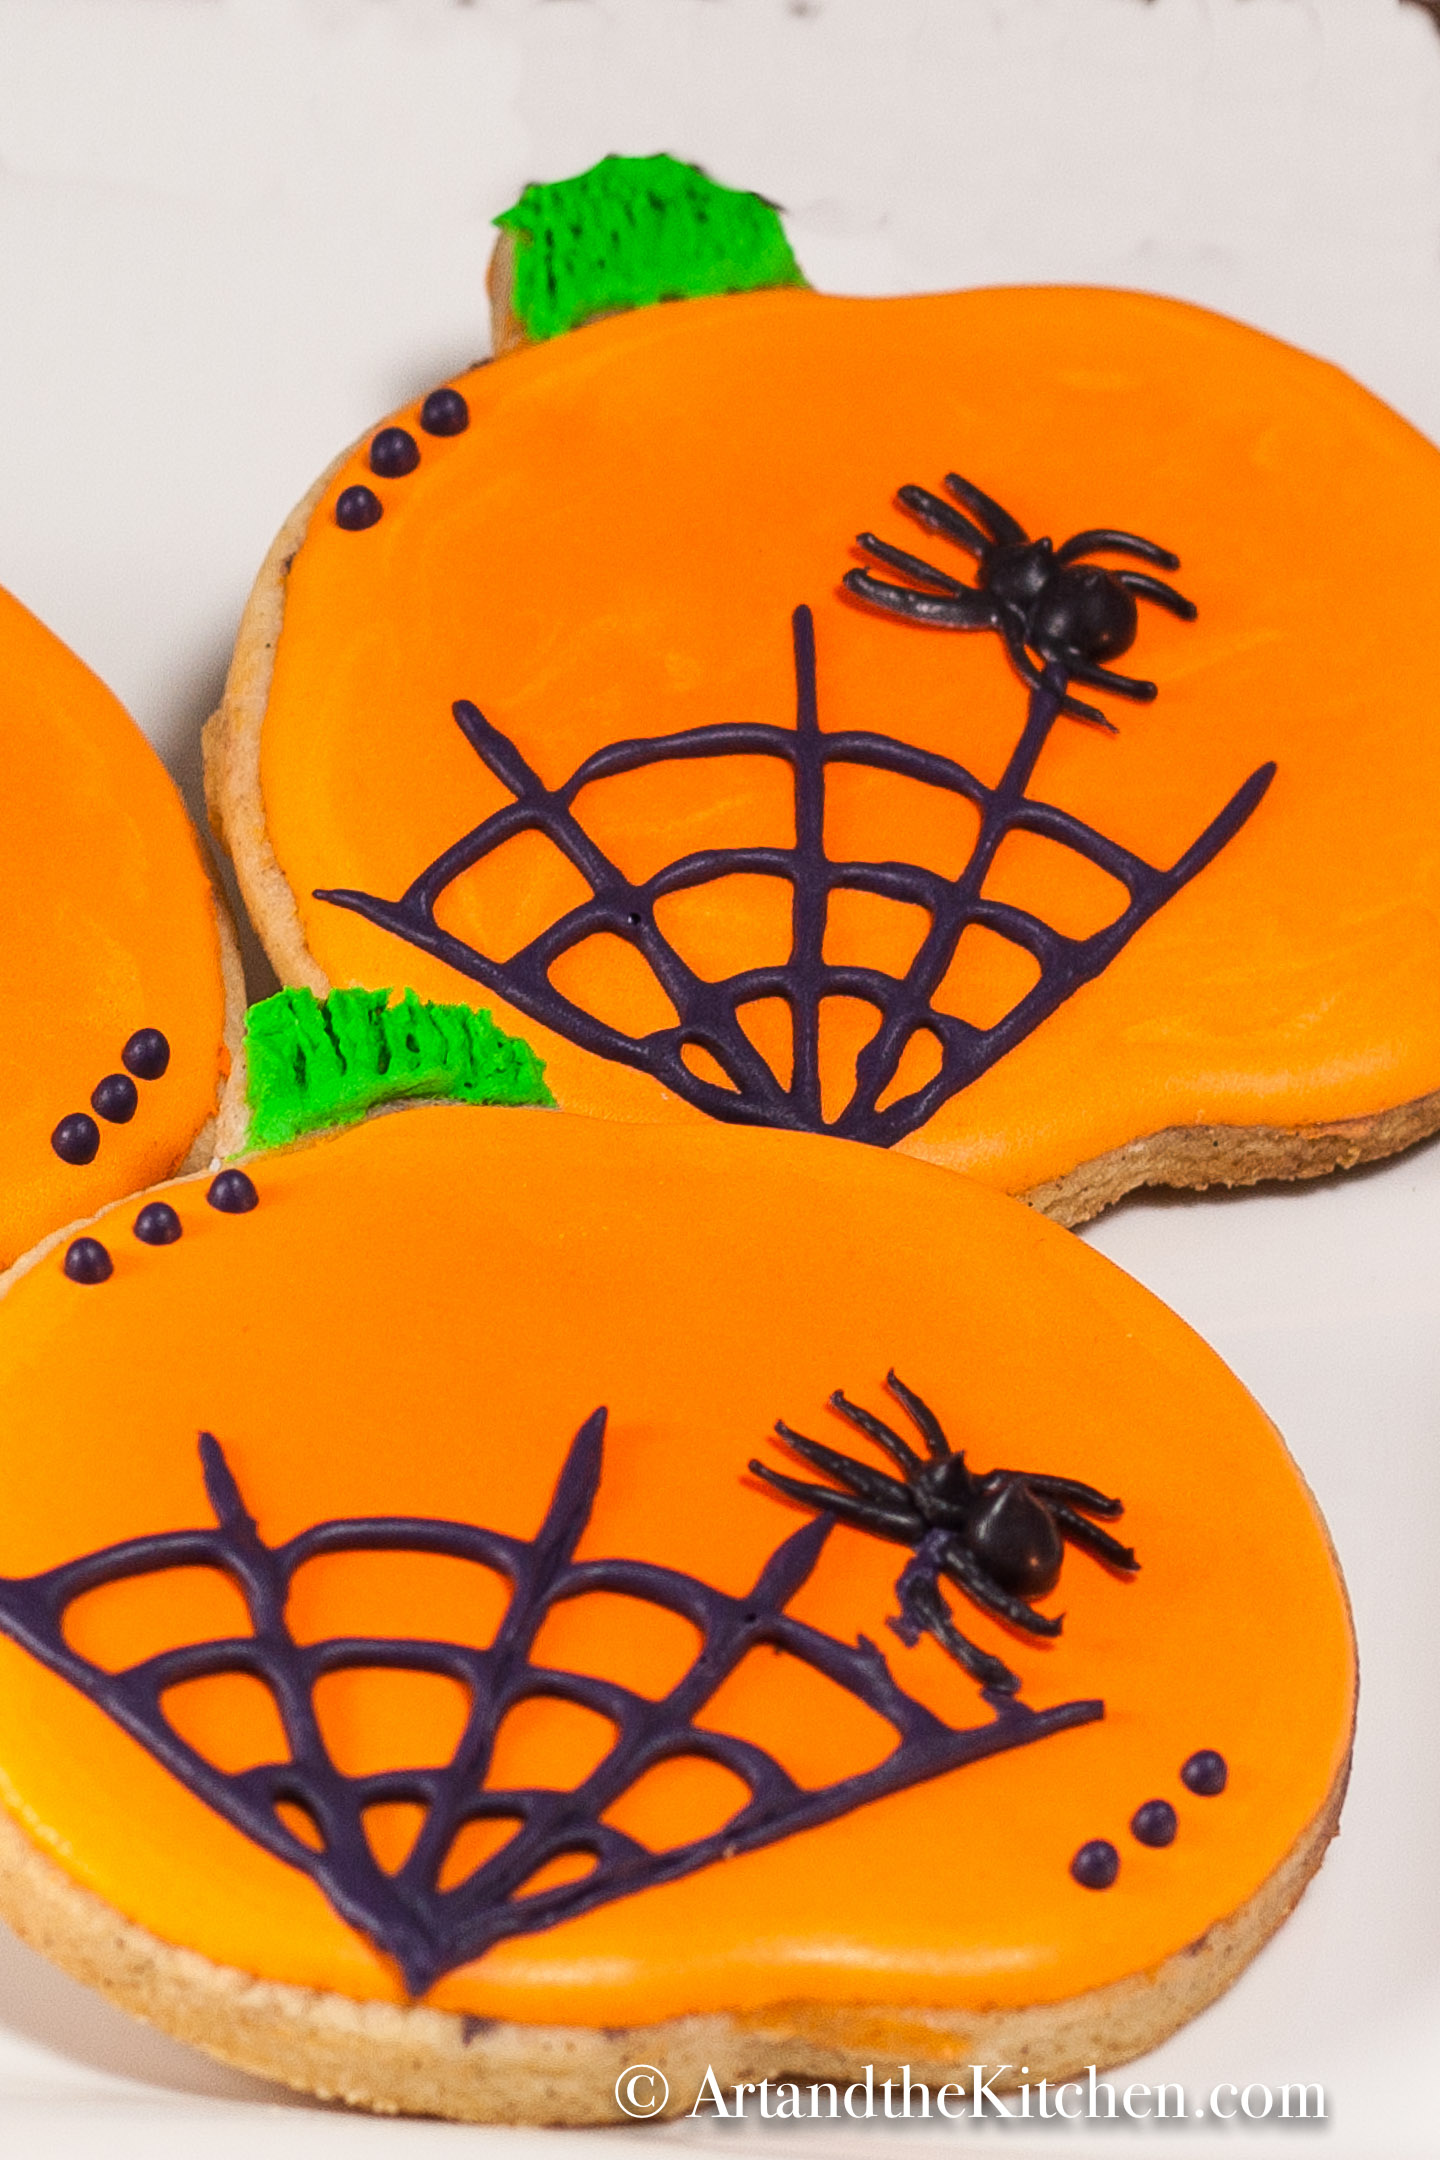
(411, 2059)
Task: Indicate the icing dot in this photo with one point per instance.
(445, 412)
(358, 507)
(393, 453)
(233, 1193)
(1096, 1865)
(116, 1098)
(157, 1224)
(1206, 1773)
(146, 1054)
(1155, 1823)
(76, 1139)
(87, 1261)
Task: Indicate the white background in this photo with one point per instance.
(234, 232)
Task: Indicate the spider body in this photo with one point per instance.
(999, 1536)
(1053, 609)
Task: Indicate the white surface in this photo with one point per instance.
(233, 232)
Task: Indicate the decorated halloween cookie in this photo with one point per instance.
(992, 725)
(494, 1597)
(116, 958)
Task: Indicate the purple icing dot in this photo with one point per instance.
(1206, 1773)
(1096, 1865)
(393, 453)
(445, 412)
(233, 1193)
(76, 1139)
(358, 507)
(87, 1261)
(146, 1054)
(116, 1098)
(157, 1224)
(1155, 1823)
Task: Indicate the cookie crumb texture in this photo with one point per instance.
(463, 797)
(110, 944)
(421, 1321)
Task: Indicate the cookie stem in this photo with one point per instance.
(626, 234)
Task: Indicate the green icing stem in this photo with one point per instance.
(632, 231)
(311, 1065)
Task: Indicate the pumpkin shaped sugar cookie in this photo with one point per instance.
(117, 962)
(993, 725)
(496, 1597)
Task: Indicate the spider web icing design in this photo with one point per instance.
(708, 1011)
(428, 1930)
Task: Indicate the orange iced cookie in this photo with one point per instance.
(571, 690)
(497, 1695)
(113, 950)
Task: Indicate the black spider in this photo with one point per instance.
(1039, 597)
(999, 1537)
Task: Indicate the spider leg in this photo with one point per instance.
(968, 1574)
(919, 1574)
(1092, 1537)
(1005, 528)
(1131, 686)
(1079, 710)
(845, 1507)
(1071, 1489)
(910, 564)
(923, 1416)
(923, 1611)
(1031, 676)
(938, 517)
(1118, 543)
(897, 1449)
(872, 1485)
(960, 610)
(1154, 588)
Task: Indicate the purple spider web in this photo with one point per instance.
(429, 1930)
(708, 1012)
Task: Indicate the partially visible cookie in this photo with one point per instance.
(571, 690)
(496, 1597)
(118, 973)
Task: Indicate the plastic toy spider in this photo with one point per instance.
(1040, 598)
(1000, 1537)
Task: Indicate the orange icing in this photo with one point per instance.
(107, 925)
(614, 547)
(417, 1318)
